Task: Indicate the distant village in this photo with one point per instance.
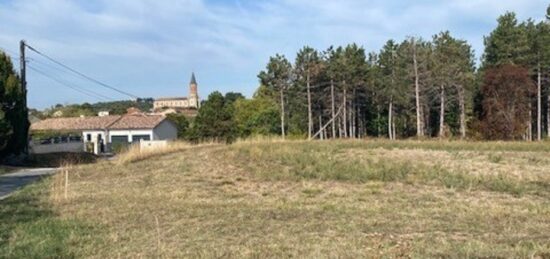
(105, 132)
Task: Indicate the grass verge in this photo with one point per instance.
(30, 228)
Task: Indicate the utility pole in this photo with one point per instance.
(23, 67)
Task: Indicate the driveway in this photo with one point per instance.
(13, 181)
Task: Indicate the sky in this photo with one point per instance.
(149, 48)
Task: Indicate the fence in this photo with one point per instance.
(64, 147)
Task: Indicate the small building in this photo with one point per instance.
(103, 113)
(103, 134)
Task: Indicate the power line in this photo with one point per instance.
(63, 83)
(44, 69)
(81, 74)
(78, 89)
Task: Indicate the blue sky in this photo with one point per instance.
(150, 47)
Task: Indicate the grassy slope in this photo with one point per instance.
(320, 199)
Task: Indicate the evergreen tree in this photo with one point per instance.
(347, 68)
(15, 115)
(545, 37)
(453, 69)
(214, 120)
(507, 44)
(391, 88)
(416, 56)
(307, 68)
(278, 79)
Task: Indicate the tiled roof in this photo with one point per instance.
(171, 99)
(76, 123)
(132, 121)
(137, 121)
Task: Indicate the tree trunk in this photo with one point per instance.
(282, 113)
(358, 122)
(548, 116)
(390, 119)
(539, 105)
(530, 122)
(321, 128)
(340, 130)
(345, 113)
(442, 112)
(332, 109)
(419, 116)
(309, 113)
(394, 134)
(353, 121)
(462, 112)
(378, 121)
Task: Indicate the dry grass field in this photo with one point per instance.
(270, 198)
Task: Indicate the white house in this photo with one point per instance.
(102, 134)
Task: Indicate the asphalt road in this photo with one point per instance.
(13, 181)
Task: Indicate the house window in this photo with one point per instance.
(137, 138)
(88, 137)
(119, 139)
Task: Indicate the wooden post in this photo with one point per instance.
(66, 182)
(23, 67)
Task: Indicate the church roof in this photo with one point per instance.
(193, 80)
(171, 99)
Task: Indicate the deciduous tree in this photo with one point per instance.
(506, 91)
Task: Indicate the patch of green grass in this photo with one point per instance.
(312, 192)
(446, 145)
(30, 229)
(328, 163)
(495, 158)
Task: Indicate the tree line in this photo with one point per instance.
(414, 88)
(92, 109)
(418, 87)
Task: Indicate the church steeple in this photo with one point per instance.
(193, 93)
(193, 80)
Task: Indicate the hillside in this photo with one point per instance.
(87, 109)
(294, 199)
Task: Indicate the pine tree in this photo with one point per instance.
(14, 123)
(307, 69)
(391, 88)
(507, 44)
(278, 78)
(452, 70)
(355, 71)
(214, 120)
(415, 55)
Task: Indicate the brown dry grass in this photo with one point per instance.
(134, 153)
(315, 199)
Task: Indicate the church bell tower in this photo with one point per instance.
(193, 94)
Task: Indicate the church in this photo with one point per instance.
(180, 104)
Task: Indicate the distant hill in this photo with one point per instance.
(87, 109)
